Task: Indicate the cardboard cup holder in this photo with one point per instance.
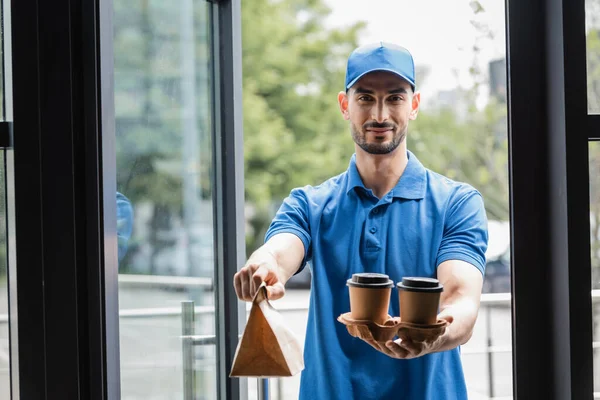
(369, 330)
(421, 333)
(392, 327)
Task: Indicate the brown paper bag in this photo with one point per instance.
(267, 348)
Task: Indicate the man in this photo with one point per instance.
(389, 214)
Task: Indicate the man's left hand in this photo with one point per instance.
(406, 348)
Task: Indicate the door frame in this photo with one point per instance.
(64, 216)
(549, 185)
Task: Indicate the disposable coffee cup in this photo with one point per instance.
(419, 300)
(370, 296)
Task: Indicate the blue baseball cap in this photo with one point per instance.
(380, 56)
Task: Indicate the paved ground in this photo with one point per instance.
(151, 350)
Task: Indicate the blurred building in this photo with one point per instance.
(455, 100)
(497, 76)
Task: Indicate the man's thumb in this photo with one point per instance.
(275, 291)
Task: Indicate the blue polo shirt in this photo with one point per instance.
(424, 220)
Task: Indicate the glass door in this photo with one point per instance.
(164, 122)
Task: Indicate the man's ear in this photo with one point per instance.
(343, 102)
(416, 100)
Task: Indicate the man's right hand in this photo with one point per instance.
(248, 279)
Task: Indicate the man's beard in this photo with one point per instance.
(360, 138)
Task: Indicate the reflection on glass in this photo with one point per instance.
(592, 19)
(293, 63)
(163, 103)
(594, 159)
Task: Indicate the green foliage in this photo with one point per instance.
(593, 70)
(593, 82)
(473, 150)
(294, 134)
(162, 51)
(293, 69)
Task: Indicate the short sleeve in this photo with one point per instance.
(465, 231)
(293, 217)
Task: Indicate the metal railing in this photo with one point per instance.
(171, 282)
(188, 312)
(189, 339)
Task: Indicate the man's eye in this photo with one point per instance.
(396, 98)
(364, 98)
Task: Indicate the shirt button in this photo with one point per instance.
(373, 230)
(376, 211)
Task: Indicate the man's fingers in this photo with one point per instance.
(275, 291)
(397, 349)
(257, 277)
(253, 287)
(381, 347)
(411, 348)
(391, 349)
(248, 279)
(237, 284)
(245, 283)
(260, 275)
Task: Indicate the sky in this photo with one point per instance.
(438, 33)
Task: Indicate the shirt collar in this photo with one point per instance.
(411, 184)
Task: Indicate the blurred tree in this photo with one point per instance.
(152, 53)
(473, 147)
(472, 150)
(292, 72)
(293, 133)
(593, 95)
(293, 68)
(294, 136)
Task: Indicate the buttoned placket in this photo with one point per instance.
(373, 225)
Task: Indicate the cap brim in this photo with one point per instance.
(376, 70)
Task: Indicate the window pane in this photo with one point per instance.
(294, 67)
(163, 100)
(592, 18)
(594, 156)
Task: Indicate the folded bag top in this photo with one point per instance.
(268, 348)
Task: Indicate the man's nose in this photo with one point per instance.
(380, 113)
